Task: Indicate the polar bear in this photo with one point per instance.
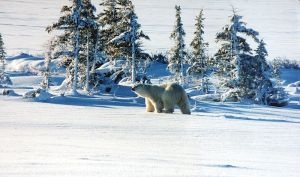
(163, 98)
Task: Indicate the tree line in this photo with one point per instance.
(86, 40)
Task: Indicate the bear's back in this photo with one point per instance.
(174, 87)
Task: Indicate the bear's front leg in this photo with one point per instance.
(159, 106)
(149, 105)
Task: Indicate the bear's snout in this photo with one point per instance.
(133, 89)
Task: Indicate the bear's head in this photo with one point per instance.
(140, 89)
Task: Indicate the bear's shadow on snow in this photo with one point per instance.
(120, 96)
(96, 101)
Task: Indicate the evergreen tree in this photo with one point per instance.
(235, 57)
(90, 42)
(262, 73)
(2, 56)
(268, 87)
(4, 78)
(108, 20)
(277, 65)
(129, 42)
(45, 84)
(198, 60)
(77, 22)
(177, 53)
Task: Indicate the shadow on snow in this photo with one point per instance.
(96, 101)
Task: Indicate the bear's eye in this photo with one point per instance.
(133, 88)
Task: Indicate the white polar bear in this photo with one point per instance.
(163, 98)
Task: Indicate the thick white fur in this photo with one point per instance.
(163, 98)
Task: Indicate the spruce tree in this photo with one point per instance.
(199, 59)
(2, 57)
(235, 57)
(77, 22)
(89, 42)
(268, 87)
(49, 49)
(108, 20)
(177, 53)
(4, 78)
(130, 41)
(262, 73)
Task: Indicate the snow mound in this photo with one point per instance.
(25, 63)
(295, 84)
(23, 56)
(37, 95)
(207, 97)
(9, 92)
(43, 96)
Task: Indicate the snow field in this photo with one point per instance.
(66, 138)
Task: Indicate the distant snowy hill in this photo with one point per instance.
(23, 23)
(26, 63)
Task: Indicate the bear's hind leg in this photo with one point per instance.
(159, 106)
(149, 105)
(184, 105)
(169, 107)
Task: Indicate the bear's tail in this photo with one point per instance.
(184, 104)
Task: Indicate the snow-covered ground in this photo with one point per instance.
(23, 23)
(105, 136)
(112, 135)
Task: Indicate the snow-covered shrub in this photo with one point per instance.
(278, 97)
(285, 63)
(5, 80)
(232, 95)
(31, 93)
(160, 58)
(37, 94)
(9, 92)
